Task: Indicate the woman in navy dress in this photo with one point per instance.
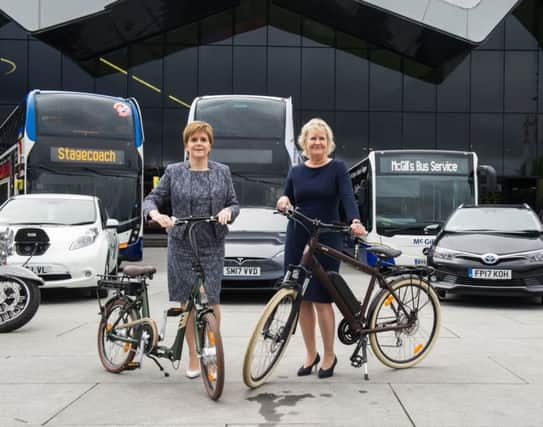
(317, 188)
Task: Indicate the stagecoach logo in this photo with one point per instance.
(490, 258)
(122, 109)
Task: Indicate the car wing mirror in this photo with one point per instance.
(112, 223)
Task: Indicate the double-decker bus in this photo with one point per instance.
(405, 195)
(78, 143)
(254, 136)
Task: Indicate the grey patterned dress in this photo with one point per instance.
(210, 249)
(194, 193)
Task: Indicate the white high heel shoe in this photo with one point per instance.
(192, 373)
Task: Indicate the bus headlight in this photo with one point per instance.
(444, 254)
(85, 240)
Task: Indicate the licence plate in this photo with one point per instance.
(39, 269)
(241, 271)
(489, 274)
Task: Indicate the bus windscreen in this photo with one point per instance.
(83, 115)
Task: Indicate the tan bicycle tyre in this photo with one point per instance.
(212, 357)
(284, 295)
(127, 351)
(415, 292)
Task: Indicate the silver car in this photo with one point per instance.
(254, 250)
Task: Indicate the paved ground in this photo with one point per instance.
(484, 371)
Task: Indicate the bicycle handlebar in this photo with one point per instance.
(296, 215)
(192, 219)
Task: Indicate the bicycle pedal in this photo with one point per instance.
(356, 361)
(174, 311)
(130, 366)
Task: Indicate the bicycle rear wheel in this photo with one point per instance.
(212, 356)
(116, 354)
(270, 337)
(405, 347)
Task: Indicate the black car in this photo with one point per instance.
(489, 249)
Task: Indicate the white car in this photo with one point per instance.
(65, 239)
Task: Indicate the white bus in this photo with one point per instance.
(254, 136)
(405, 195)
(78, 143)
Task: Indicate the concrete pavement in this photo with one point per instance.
(484, 371)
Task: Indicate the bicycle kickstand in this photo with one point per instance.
(361, 361)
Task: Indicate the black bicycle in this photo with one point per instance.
(401, 321)
(127, 332)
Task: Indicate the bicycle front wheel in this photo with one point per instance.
(406, 347)
(115, 354)
(270, 337)
(212, 356)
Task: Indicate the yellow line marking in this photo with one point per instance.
(115, 67)
(13, 65)
(144, 83)
(173, 98)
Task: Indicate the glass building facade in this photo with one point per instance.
(489, 101)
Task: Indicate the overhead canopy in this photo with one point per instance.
(433, 32)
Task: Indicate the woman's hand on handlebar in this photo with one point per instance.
(163, 220)
(283, 203)
(357, 229)
(224, 216)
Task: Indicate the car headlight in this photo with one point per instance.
(85, 240)
(445, 254)
(535, 257)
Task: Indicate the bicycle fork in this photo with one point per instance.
(358, 360)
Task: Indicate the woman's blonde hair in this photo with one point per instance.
(319, 124)
(197, 126)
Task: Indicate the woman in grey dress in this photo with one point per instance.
(198, 187)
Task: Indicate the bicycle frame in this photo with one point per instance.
(357, 321)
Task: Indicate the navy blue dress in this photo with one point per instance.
(318, 192)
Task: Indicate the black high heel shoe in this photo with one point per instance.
(303, 371)
(326, 373)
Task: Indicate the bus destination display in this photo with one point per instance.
(424, 165)
(87, 155)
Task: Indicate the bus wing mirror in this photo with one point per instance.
(432, 228)
(112, 223)
(487, 178)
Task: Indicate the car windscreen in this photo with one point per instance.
(58, 211)
(259, 220)
(497, 219)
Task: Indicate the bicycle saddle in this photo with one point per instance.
(139, 270)
(384, 251)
